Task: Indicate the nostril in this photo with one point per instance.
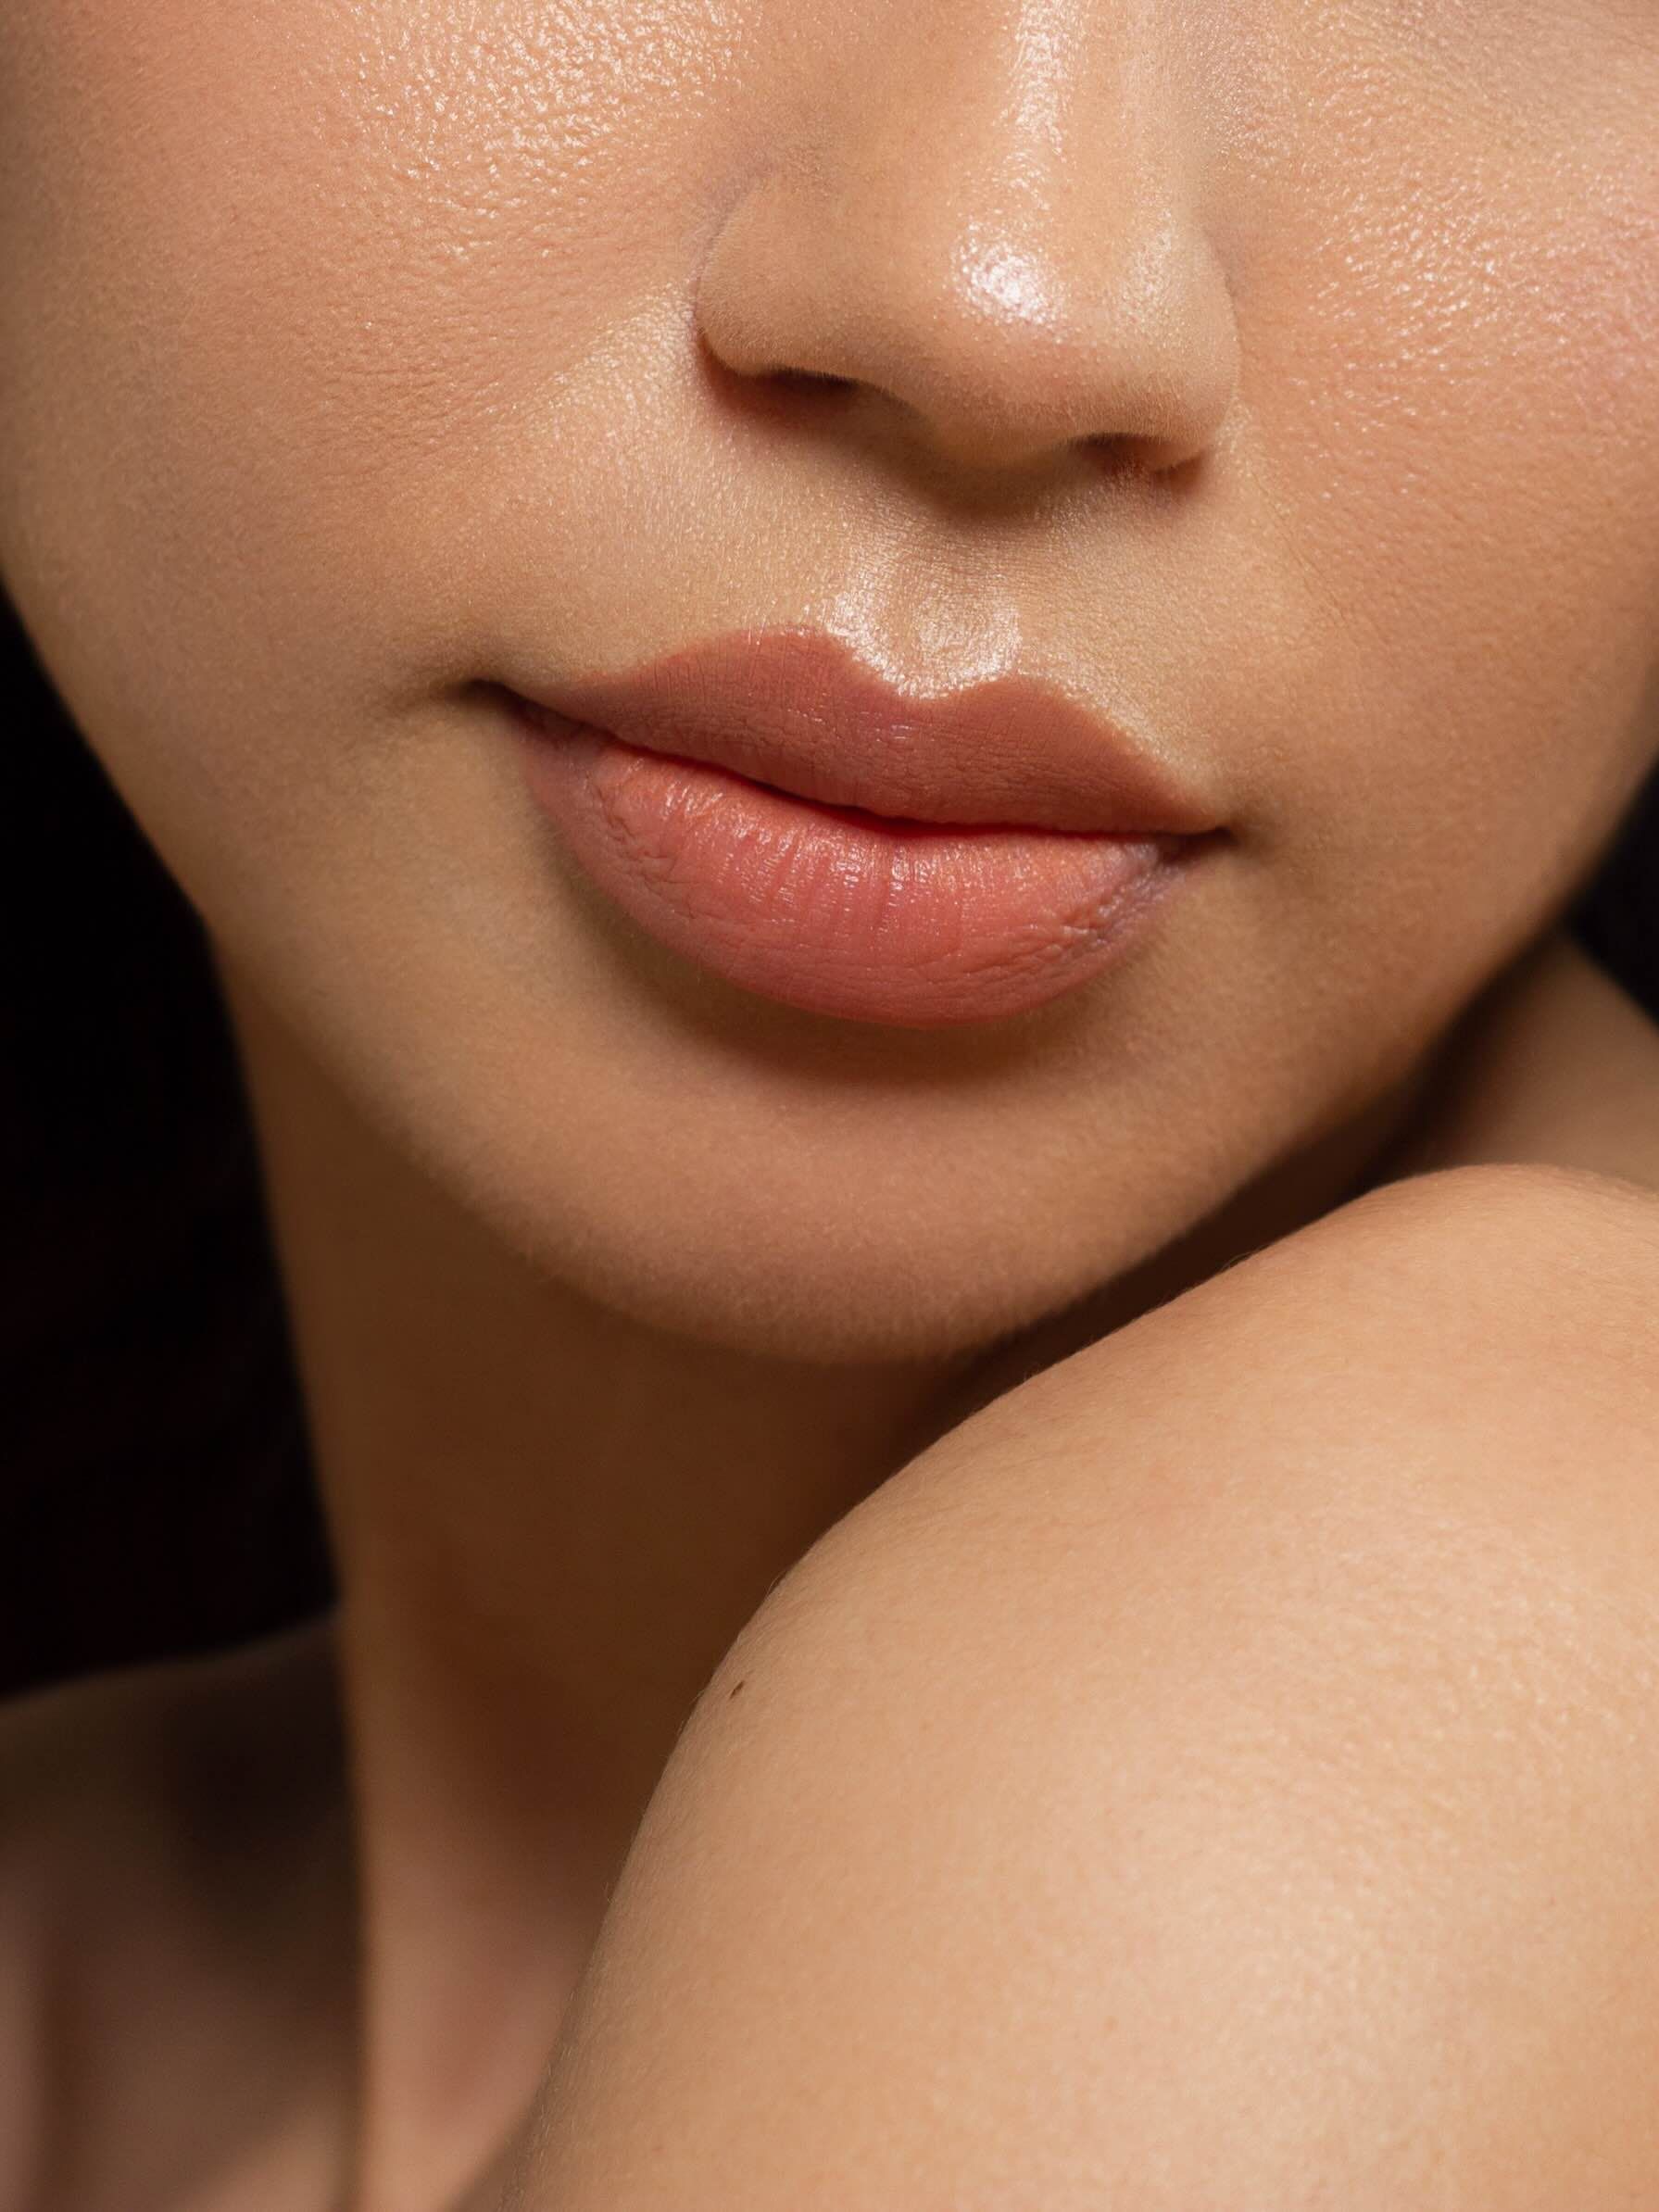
(786, 395)
(810, 381)
(772, 387)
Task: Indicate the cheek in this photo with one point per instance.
(277, 278)
(1458, 393)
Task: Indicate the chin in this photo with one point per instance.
(854, 1257)
(801, 1275)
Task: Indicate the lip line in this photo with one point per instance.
(794, 711)
(544, 721)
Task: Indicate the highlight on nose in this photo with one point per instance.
(997, 351)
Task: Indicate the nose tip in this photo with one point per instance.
(1000, 338)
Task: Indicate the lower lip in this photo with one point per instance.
(918, 925)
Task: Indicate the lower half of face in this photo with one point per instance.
(1280, 382)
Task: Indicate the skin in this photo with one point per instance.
(1285, 374)
(1255, 1805)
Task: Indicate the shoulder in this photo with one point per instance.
(158, 1825)
(1473, 1348)
(1565, 1225)
(1516, 1302)
(1497, 1249)
(1221, 1772)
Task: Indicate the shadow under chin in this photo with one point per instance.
(1298, 1188)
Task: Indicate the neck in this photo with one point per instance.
(549, 1523)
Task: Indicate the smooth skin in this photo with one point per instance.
(1281, 376)
(1222, 1774)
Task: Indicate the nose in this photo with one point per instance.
(992, 238)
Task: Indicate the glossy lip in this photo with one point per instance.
(796, 709)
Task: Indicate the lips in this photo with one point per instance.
(765, 808)
(794, 709)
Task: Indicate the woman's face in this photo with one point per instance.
(1279, 376)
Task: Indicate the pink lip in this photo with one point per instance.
(796, 709)
(768, 807)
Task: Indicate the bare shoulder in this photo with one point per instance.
(1479, 1338)
(1221, 1772)
(1517, 1283)
(1457, 1217)
(163, 1831)
(1470, 1294)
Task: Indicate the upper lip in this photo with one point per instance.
(797, 709)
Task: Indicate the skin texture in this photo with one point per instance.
(1254, 1808)
(1282, 376)
(1288, 376)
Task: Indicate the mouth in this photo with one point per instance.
(768, 811)
(795, 710)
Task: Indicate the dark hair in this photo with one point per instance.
(157, 1469)
(158, 1494)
